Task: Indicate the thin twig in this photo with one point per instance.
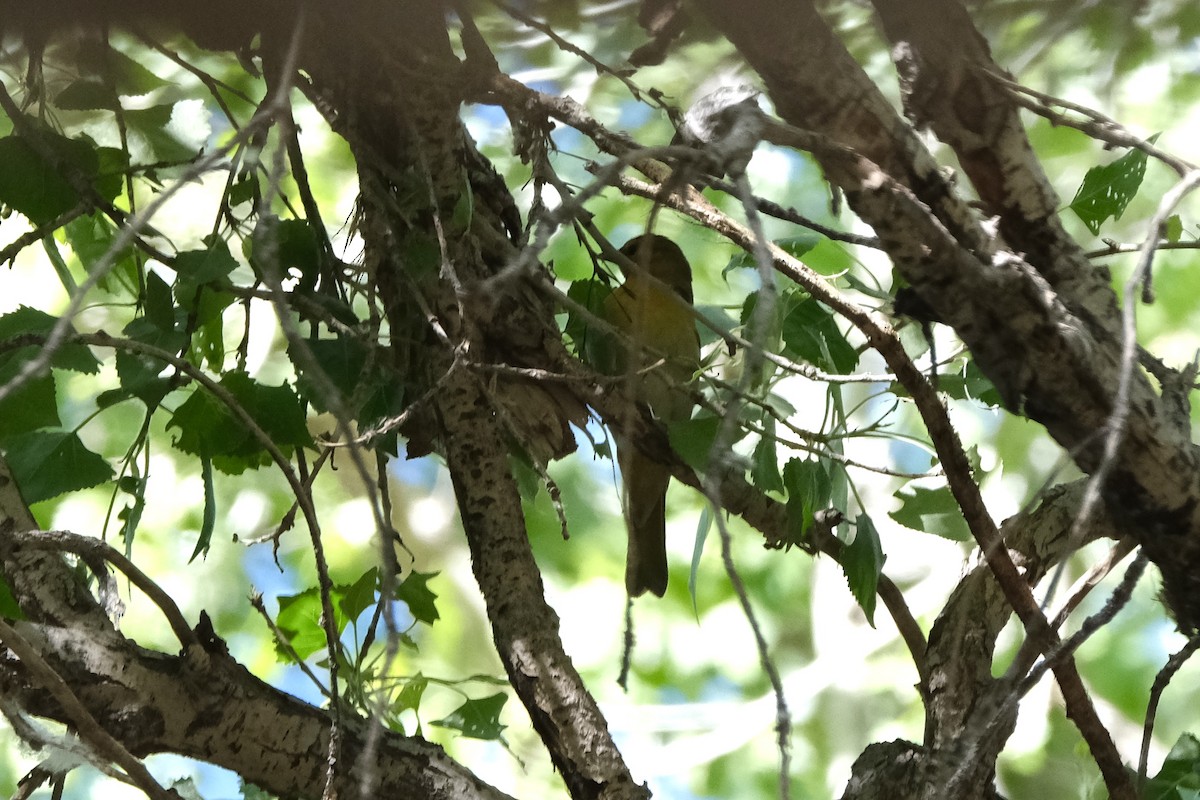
(1161, 680)
(1094, 124)
(86, 545)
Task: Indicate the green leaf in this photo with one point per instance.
(40, 188)
(764, 469)
(31, 185)
(811, 333)
(131, 515)
(87, 94)
(252, 792)
(1179, 776)
(795, 246)
(862, 562)
(74, 357)
(931, 511)
(360, 595)
(103, 61)
(32, 406)
(283, 247)
(409, 696)
(91, 237)
(172, 131)
(1173, 228)
(1108, 189)
(209, 519)
(703, 526)
(693, 439)
(206, 426)
(808, 491)
(414, 592)
(594, 345)
(9, 608)
(967, 384)
(300, 620)
(199, 268)
(478, 719)
(49, 463)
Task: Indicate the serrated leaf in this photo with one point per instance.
(252, 792)
(74, 357)
(795, 246)
(87, 94)
(49, 463)
(201, 268)
(30, 185)
(862, 563)
(808, 489)
(595, 346)
(32, 406)
(285, 247)
(931, 511)
(478, 719)
(131, 515)
(414, 592)
(1107, 190)
(173, 131)
(206, 426)
(127, 76)
(967, 384)
(91, 237)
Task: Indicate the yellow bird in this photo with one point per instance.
(655, 316)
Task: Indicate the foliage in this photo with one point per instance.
(259, 382)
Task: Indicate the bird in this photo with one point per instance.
(661, 352)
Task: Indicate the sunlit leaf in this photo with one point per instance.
(300, 620)
(478, 719)
(1107, 190)
(360, 595)
(931, 511)
(414, 592)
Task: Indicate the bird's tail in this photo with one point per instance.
(646, 511)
